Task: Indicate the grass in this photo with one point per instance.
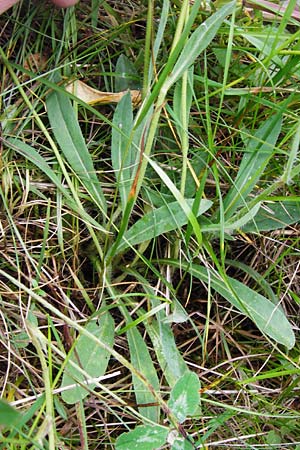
(149, 252)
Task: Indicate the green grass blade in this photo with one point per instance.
(268, 318)
(67, 132)
(141, 360)
(161, 220)
(92, 358)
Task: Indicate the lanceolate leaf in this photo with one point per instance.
(32, 155)
(126, 75)
(199, 41)
(274, 215)
(259, 150)
(159, 221)
(141, 360)
(163, 341)
(268, 317)
(123, 156)
(69, 137)
(89, 357)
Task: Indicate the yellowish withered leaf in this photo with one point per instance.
(93, 96)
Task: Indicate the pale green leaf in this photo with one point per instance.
(268, 317)
(260, 148)
(90, 357)
(144, 437)
(32, 155)
(126, 75)
(8, 415)
(166, 350)
(185, 397)
(161, 220)
(181, 443)
(122, 154)
(141, 360)
(274, 215)
(199, 41)
(67, 132)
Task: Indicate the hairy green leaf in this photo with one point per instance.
(185, 397)
(268, 317)
(141, 360)
(67, 132)
(126, 75)
(144, 437)
(89, 357)
(273, 216)
(123, 155)
(159, 221)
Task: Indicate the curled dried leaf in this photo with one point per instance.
(93, 96)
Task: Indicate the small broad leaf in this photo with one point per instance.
(88, 356)
(141, 360)
(268, 317)
(126, 75)
(185, 397)
(144, 437)
(67, 132)
(178, 442)
(166, 350)
(8, 415)
(159, 221)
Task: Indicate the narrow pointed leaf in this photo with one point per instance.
(159, 221)
(268, 317)
(260, 149)
(141, 360)
(67, 132)
(123, 155)
(199, 41)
